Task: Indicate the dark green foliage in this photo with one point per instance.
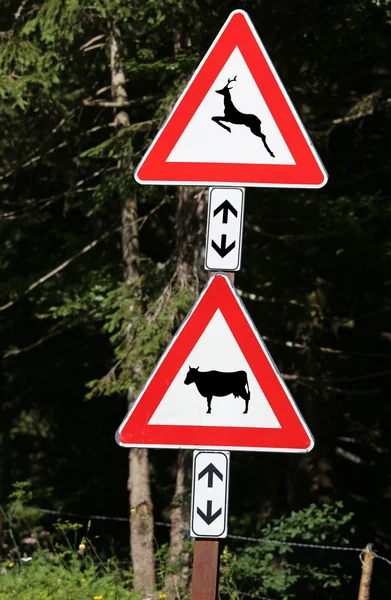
(288, 572)
(316, 265)
(59, 564)
(141, 320)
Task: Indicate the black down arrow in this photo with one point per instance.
(225, 207)
(210, 470)
(223, 250)
(208, 517)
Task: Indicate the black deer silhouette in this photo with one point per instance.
(234, 116)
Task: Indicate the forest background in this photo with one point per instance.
(98, 272)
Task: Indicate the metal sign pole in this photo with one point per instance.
(209, 519)
(197, 158)
(206, 561)
(206, 567)
(209, 516)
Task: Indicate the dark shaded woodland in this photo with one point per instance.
(97, 272)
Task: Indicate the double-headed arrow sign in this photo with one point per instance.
(225, 222)
(208, 517)
(226, 207)
(223, 250)
(210, 491)
(210, 470)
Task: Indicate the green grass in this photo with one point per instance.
(63, 576)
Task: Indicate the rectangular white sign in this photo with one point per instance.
(209, 498)
(225, 229)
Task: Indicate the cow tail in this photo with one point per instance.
(248, 388)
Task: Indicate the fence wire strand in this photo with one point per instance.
(232, 537)
(297, 544)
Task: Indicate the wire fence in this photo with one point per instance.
(249, 539)
(254, 540)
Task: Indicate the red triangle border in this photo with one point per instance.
(308, 171)
(293, 436)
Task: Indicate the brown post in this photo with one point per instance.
(230, 275)
(206, 565)
(206, 562)
(366, 574)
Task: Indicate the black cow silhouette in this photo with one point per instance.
(234, 116)
(218, 383)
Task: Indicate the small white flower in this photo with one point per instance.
(26, 559)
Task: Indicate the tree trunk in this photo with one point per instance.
(190, 255)
(141, 521)
(190, 234)
(178, 562)
(141, 509)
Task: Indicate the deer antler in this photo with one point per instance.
(231, 80)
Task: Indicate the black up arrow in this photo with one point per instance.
(225, 207)
(208, 517)
(210, 470)
(223, 250)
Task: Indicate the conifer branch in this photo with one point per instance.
(94, 47)
(88, 44)
(295, 377)
(269, 300)
(18, 13)
(32, 204)
(294, 236)
(83, 251)
(364, 392)
(325, 349)
(31, 158)
(53, 334)
(57, 270)
(107, 103)
(365, 107)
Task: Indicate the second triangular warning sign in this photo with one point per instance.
(234, 124)
(216, 386)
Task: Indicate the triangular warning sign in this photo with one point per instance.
(234, 124)
(216, 386)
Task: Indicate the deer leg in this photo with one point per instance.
(218, 121)
(257, 131)
(263, 138)
(209, 402)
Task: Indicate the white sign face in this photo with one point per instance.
(225, 229)
(239, 145)
(234, 124)
(184, 405)
(216, 387)
(209, 498)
